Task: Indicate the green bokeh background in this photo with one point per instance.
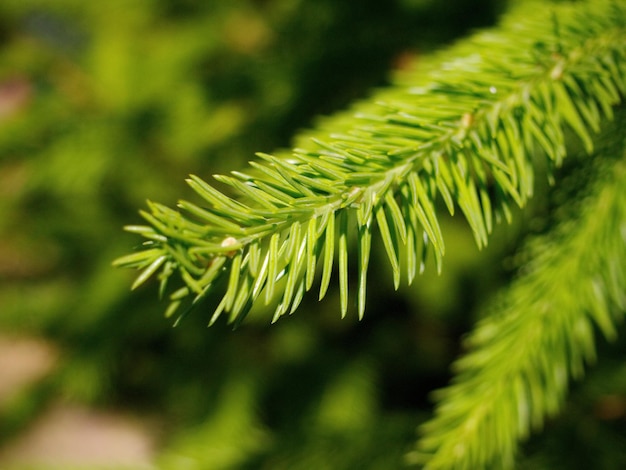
(106, 104)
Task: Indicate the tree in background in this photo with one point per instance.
(122, 103)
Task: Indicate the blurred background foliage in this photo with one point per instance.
(105, 104)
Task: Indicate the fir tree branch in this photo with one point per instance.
(465, 129)
(539, 333)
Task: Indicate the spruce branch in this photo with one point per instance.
(464, 127)
(539, 332)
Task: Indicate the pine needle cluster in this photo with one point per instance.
(464, 131)
(542, 328)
